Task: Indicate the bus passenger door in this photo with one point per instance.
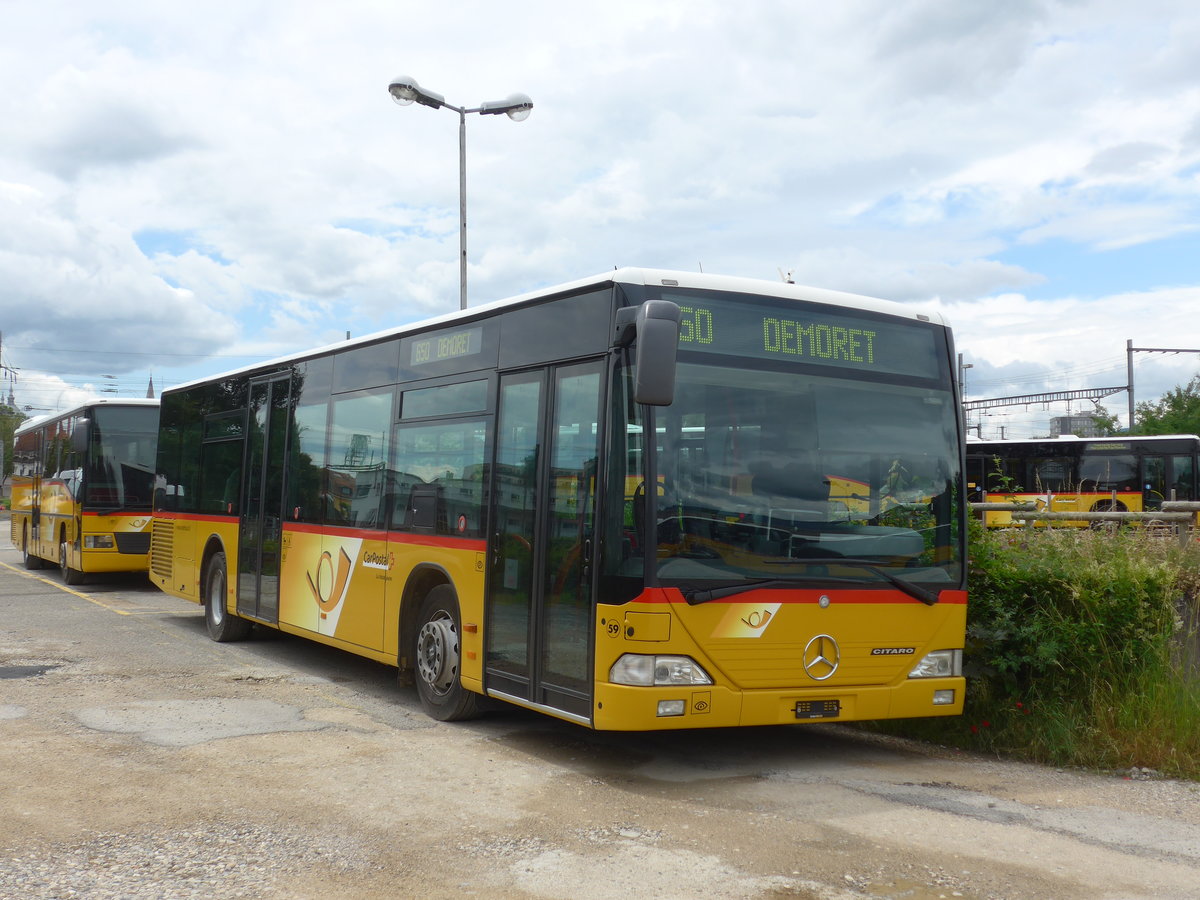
(261, 533)
(540, 610)
(1182, 485)
(1154, 482)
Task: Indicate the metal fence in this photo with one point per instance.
(1177, 517)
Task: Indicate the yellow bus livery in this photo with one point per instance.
(466, 499)
(82, 488)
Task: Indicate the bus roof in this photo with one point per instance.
(628, 275)
(37, 421)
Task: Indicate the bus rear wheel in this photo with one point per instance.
(223, 626)
(30, 560)
(69, 575)
(1110, 526)
(438, 654)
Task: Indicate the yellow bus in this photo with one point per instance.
(1122, 473)
(82, 488)
(465, 499)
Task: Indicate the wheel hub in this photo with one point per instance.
(437, 654)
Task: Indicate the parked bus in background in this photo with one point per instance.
(1125, 473)
(82, 488)
(477, 500)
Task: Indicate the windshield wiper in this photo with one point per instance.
(929, 598)
(695, 596)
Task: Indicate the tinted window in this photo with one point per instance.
(357, 465)
(439, 477)
(307, 482)
(220, 479)
(121, 452)
(366, 367)
(559, 329)
(445, 400)
(225, 425)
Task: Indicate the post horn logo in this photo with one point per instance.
(757, 619)
(327, 588)
(821, 657)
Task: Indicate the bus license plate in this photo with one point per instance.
(818, 709)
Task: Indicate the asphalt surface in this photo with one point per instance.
(139, 759)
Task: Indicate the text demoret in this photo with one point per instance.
(856, 345)
(451, 345)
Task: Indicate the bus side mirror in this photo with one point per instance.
(79, 436)
(656, 335)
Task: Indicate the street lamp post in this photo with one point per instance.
(405, 91)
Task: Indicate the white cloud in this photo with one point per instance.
(907, 150)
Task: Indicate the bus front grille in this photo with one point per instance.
(133, 542)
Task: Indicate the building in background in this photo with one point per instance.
(1080, 426)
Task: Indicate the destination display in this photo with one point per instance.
(445, 345)
(811, 334)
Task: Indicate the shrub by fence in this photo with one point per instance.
(1081, 649)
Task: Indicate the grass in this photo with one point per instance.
(1081, 650)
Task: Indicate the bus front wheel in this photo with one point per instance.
(438, 655)
(222, 625)
(69, 575)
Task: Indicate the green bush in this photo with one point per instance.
(1081, 650)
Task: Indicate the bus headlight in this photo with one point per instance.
(646, 671)
(938, 664)
(98, 541)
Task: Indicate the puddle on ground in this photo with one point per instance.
(25, 671)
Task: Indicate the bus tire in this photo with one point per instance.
(1108, 506)
(69, 575)
(30, 560)
(223, 626)
(437, 651)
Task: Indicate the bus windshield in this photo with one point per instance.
(779, 475)
(120, 463)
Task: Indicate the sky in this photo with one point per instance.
(189, 188)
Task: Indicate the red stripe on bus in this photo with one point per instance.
(422, 540)
(392, 537)
(367, 534)
(888, 595)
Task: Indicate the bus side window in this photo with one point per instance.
(220, 476)
(438, 476)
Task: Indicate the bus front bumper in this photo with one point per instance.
(624, 708)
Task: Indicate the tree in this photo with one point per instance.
(1176, 412)
(1106, 422)
(9, 420)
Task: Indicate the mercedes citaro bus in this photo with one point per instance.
(643, 500)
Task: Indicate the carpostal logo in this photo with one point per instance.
(893, 651)
(373, 560)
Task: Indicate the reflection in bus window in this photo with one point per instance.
(438, 478)
(358, 458)
(755, 474)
